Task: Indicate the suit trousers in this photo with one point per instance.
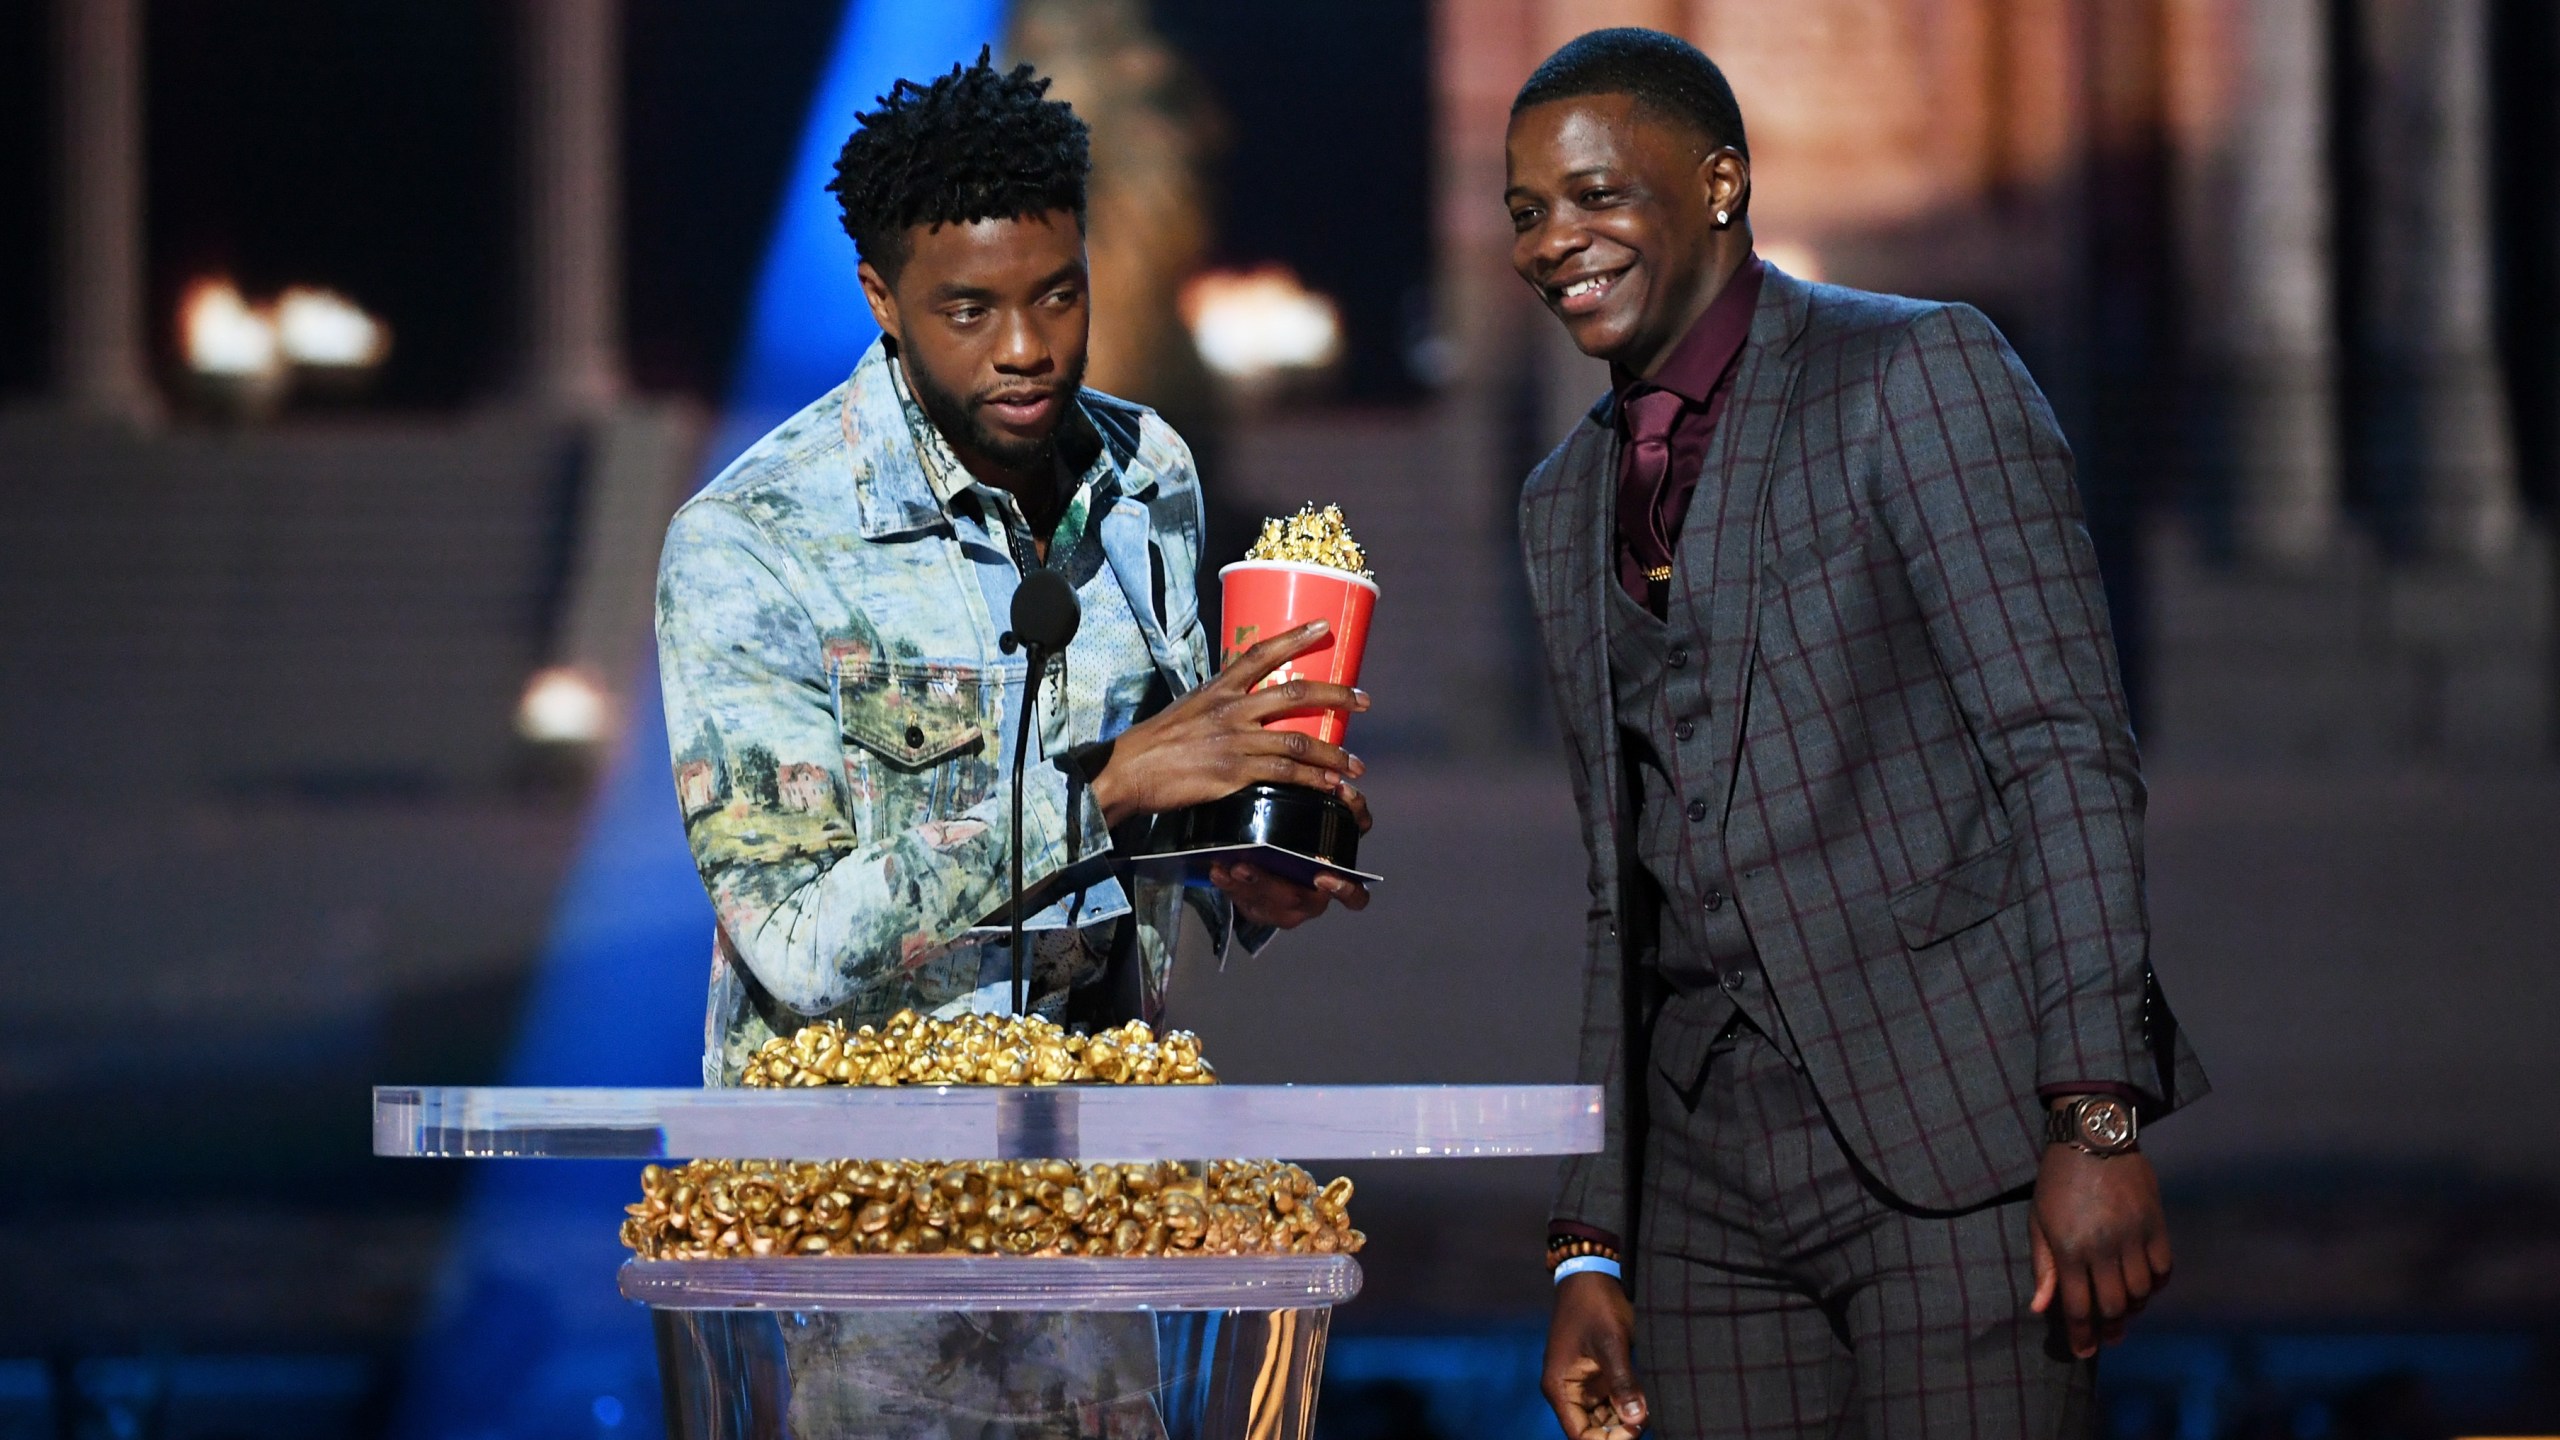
(1779, 1291)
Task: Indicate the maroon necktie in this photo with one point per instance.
(1643, 481)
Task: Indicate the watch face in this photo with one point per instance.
(2106, 1124)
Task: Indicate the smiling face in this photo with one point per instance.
(991, 321)
(1613, 218)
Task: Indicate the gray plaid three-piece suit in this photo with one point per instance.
(1914, 751)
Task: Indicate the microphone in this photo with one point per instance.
(1045, 612)
(1045, 617)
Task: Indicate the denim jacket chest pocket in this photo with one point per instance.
(915, 741)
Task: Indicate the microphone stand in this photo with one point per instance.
(1037, 660)
(1045, 615)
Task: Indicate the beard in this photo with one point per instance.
(957, 417)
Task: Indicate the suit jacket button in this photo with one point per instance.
(1698, 810)
(1686, 730)
(1678, 657)
(1715, 900)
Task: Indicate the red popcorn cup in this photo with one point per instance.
(1263, 598)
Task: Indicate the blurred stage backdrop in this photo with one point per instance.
(352, 357)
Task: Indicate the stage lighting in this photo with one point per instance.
(323, 329)
(1254, 325)
(244, 356)
(563, 705)
(224, 335)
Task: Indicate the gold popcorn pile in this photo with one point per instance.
(723, 1209)
(1312, 537)
(975, 1049)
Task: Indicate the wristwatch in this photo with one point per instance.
(2100, 1125)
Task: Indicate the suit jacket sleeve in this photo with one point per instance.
(1977, 492)
(1592, 1189)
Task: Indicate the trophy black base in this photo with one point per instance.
(1290, 830)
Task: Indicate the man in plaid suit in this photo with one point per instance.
(1868, 976)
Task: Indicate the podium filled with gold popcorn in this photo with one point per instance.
(1080, 1259)
(1100, 1247)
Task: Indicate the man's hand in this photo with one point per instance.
(2101, 1244)
(1591, 1375)
(1263, 898)
(1211, 743)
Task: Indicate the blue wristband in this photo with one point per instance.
(1587, 1264)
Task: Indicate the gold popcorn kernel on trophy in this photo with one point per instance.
(1312, 537)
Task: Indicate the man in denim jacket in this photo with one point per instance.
(841, 693)
(842, 698)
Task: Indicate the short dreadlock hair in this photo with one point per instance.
(1663, 73)
(976, 144)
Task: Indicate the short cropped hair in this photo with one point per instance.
(1662, 73)
(976, 144)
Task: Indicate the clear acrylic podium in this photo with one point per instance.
(1175, 1348)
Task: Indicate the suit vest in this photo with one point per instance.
(1702, 950)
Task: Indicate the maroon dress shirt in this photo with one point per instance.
(1665, 425)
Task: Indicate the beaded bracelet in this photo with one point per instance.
(1561, 1248)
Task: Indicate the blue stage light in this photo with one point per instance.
(525, 1336)
(809, 324)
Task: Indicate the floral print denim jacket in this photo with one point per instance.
(840, 711)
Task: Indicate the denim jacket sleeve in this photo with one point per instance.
(1182, 511)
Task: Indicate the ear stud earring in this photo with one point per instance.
(1722, 218)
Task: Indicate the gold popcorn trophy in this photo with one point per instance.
(1304, 568)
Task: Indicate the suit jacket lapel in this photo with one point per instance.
(1746, 455)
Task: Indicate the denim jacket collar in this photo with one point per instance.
(893, 495)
